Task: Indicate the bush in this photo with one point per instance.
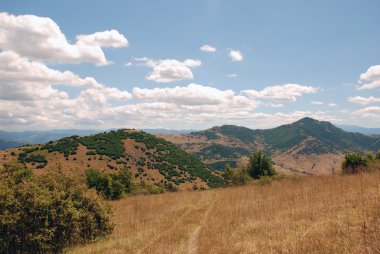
(370, 157)
(260, 165)
(354, 162)
(111, 186)
(45, 214)
(237, 176)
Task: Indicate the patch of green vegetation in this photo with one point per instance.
(29, 157)
(45, 214)
(171, 160)
(209, 134)
(66, 146)
(107, 143)
(215, 151)
(242, 133)
(260, 165)
(111, 186)
(355, 162)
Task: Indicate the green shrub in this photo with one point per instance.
(354, 162)
(111, 186)
(370, 157)
(146, 188)
(45, 214)
(237, 176)
(260, 165)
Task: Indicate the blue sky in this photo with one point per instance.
(298, 58)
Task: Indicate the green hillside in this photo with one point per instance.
(322, 137)
(326, 138)
(307, 136)
(145, 155)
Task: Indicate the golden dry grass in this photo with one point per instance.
(330, 214)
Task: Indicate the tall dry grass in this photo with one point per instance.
(336, 214)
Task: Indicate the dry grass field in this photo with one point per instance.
(325, 214)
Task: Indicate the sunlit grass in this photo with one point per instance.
(331, 214)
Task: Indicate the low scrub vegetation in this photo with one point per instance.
(111, 186)
(355, 162)
(258, 168)
(117, 185)
(236, 176)
(45, 214)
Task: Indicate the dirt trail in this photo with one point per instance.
(165, 233)
(193, 240)
(183, 221)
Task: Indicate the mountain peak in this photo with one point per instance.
(307, 120)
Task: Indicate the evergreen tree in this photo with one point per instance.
(260, 165)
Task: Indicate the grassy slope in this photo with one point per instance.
(307, 215)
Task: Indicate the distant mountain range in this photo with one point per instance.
(307, 146)
(40, 137)
(5, 144)
(363, 130)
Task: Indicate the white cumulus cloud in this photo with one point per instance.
(363, 100)
(370, 79)
(236, 55)
(368, 112)
(170, 70)
(193, 94)
(287, 92)
(109, 38)
(208, 48)
(40, 38)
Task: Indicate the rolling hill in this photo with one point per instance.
(307, 146)
(12, 139)
(150, 159)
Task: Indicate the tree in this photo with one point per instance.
(47, 213)
(260, 165)
(354, 162)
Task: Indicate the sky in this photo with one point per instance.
(179, 64)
